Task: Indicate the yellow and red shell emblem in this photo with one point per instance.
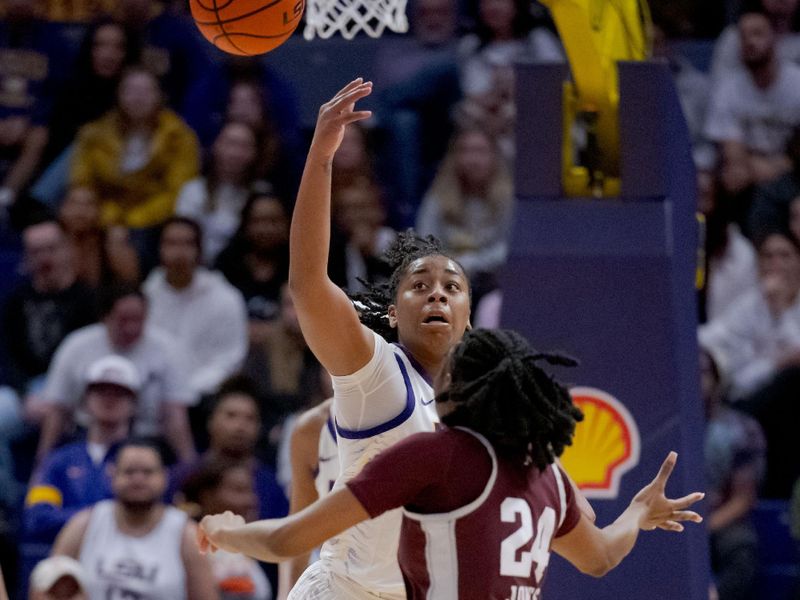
(606, 444)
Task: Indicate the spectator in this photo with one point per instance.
(164, 396)
(417, 82)
(198, 308)
(753, 112)
(782, 14)
(134, 545)
(75, 476)
(234, 427)
(760, 333)
(353, 161)
(360, 218)
(43, 310)
(256, 261)
(171, 45)
(34, 58)
(101, 256)
(470, 202)
(107, 49)
(770, 200)
(285, 370)
(58, 578)
(137, 158)
(731, 264)
(216, 200)
(217, 486)
(735, 462)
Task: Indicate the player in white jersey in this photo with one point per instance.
(134, 546)
(314, 458)
(382, 391)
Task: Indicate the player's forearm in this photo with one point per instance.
(262, 540)
(311, 224)
(619, 538)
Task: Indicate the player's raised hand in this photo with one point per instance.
(336, 114)
(656, 510)
(209, 533)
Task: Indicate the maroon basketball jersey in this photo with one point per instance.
(496, 547)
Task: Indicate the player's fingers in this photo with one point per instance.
(686, 515)
(666, 470)
(671, 526)
(351, 97)
(686, 501)
(358, 115)
(353, 84)
(202, 541)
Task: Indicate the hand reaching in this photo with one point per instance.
(336, 114)
(659, 511)
(208, 533)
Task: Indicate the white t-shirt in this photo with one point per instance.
(157, 360)
(732, 275)
(120, 566)
(208, 319)
(218, 222)
(387, 400)
(762, 119)
(747, 340)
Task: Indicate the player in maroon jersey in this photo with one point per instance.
(484, 501)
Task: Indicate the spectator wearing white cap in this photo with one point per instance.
(124, 330)
(58, 578)
(75, 476)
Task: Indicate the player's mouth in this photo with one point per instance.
(436, 319)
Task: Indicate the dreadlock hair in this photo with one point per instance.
(373, 303)
(502, 393)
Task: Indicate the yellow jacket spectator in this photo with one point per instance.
(137, 157)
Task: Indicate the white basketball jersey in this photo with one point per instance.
(390, 398)
(122, 567)
(328, 457)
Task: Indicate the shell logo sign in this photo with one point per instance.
(606, 444)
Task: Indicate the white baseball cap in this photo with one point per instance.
(50, 570)
(114, 370)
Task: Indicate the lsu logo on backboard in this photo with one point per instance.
(606, 444)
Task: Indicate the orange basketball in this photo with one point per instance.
(247, 27)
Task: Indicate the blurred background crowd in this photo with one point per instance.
(146, 189)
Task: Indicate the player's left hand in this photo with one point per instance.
(209, 538)
(656, 510)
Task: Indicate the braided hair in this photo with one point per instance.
(373, 304)
(500, 392)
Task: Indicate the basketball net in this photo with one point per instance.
(326, 17)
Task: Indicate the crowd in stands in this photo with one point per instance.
(151, 354)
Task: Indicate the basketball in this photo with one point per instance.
(247, 27)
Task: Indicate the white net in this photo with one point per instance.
(326, 17)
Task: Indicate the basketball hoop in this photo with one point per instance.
(326, 17)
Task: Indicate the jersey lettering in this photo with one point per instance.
(514, 561)
(524, 592)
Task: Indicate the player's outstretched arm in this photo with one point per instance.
(596, 551)
(327, 317)
(275, 540)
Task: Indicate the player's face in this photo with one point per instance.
(139, 479)
(757, 39)
(108, 51)
(179, 250)
(234, 150)
(235, 424)
(432, 304)
(125, 322)
(110, 405)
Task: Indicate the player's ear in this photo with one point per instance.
(392, 312)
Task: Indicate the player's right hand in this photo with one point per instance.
(335, 115)
(210, 533)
